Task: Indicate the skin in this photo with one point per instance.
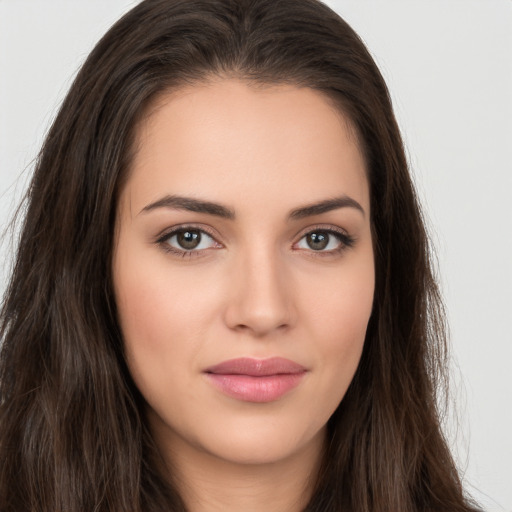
(254, 289)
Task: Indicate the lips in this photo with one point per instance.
(256, 380)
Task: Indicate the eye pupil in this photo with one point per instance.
(189, 239)
(318, 240)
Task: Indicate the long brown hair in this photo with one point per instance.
(72, 434)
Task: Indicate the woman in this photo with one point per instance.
(222, 297)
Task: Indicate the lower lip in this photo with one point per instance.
(256, 389)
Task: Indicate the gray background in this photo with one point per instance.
(448, 66)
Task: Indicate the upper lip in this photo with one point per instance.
(256, 367)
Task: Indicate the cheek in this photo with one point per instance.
(143, 306)
(338, 322)
(341, 303)
(157, 312)
(152, 300)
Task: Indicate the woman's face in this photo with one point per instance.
(243, 269)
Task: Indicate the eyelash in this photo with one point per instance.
(163, 240)
(346, 241)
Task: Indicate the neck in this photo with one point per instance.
(209, 484)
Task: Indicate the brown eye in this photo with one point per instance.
(189, 239)
(328, 241)
(318, 240)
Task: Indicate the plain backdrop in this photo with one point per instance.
(448, 67)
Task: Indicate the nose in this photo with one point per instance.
(261, 293)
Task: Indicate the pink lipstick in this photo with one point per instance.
(256, 380)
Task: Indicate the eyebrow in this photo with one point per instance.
(326, 206)
(218, 210)
(191, 205)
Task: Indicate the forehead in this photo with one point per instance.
(228, 139)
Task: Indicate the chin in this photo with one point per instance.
(259, 438)
(264, 449)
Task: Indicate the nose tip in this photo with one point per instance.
(260, 321)
(261, 300)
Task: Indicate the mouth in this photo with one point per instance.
(256, 380)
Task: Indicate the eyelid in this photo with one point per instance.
(346, 240)
(170, 230)
(322, 227)
(162, 238)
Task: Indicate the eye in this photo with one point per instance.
(184, 241)
(325, 240)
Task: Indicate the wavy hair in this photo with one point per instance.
(72, 433)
